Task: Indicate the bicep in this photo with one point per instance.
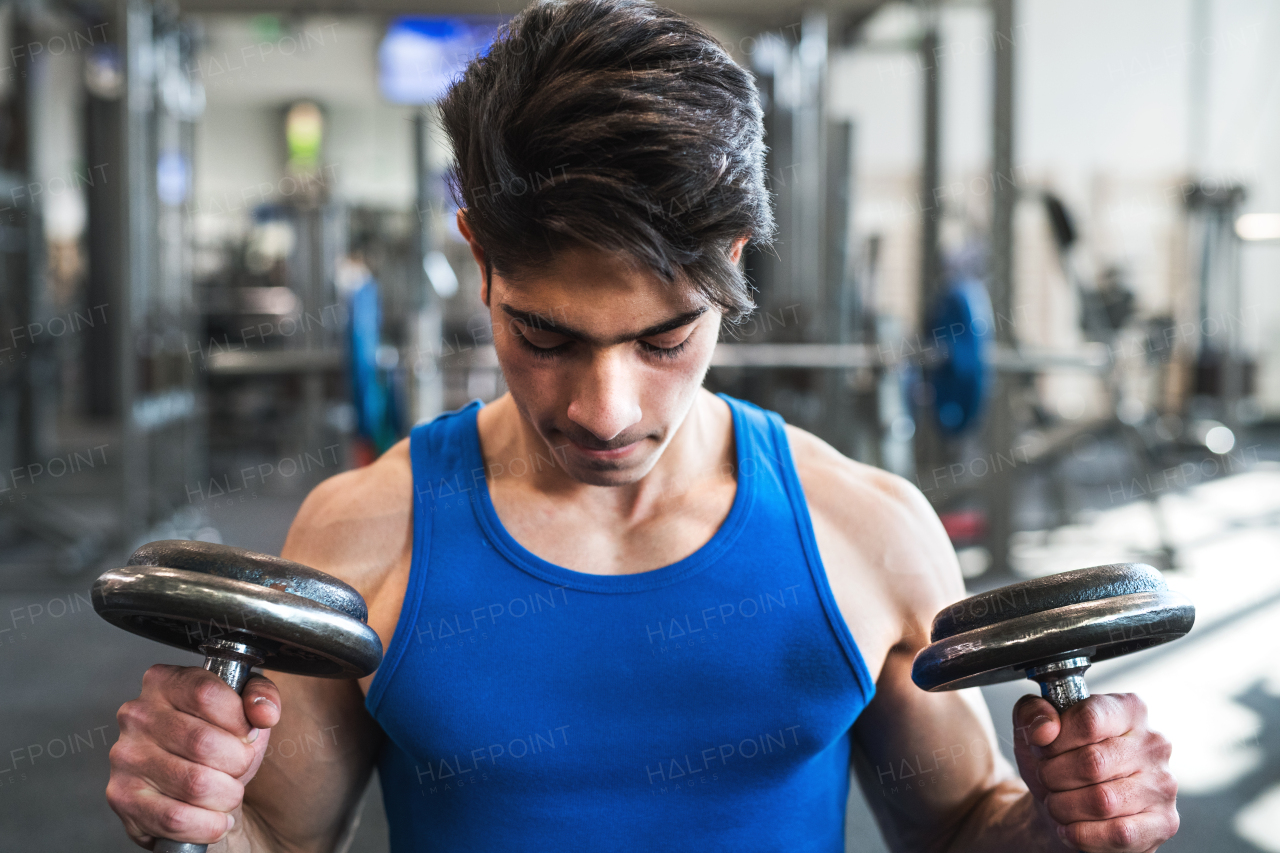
(923, 759)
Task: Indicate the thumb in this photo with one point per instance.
(1035, 723)
(262, 709)
(261, 702)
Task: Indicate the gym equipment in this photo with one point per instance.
(1107, 305)
(1051, 630)
(241, 609)
(962, 329)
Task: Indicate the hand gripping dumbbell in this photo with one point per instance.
(242, 610)
(1051, 630)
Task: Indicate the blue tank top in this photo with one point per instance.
(704, 705)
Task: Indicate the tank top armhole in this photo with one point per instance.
(817, 570)
(422, 521)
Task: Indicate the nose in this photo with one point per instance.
(605, 402)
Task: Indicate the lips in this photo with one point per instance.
(605, 454)
(592, 449)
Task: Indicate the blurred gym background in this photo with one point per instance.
(1029, 259)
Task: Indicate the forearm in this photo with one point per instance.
(273, 824)
(1005, 820)
(253, 834)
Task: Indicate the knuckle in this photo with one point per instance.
(155, 675)
(1105, 800)
(206, 694)
(1122, 832)
(202, 744)
(172, 818)
(131, 714)
(1168, 786)
(1161, 746)
(117, 795)
(1134, 705)
(1094, 763)
(119, 756)
(1092, 719)
(198, 782)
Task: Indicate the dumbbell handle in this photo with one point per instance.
(1062, 682)
(233, 663)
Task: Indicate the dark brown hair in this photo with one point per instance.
(618, 125)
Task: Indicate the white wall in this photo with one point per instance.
(1104, 118)
(251, 75)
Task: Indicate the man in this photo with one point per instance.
(621, 613)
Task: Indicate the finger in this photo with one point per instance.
(1123, 834)
(120, 797)
(164, 817)
(1035, 722)
(202, 694)
(197, 741)
(1096, 719)
(261, 702)
(1120, 797)
(183, 780)
(186, 736)
(1113, 758)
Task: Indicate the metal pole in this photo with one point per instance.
(1000, 427)
(1198, 90)
(930, 449)
(930, 168)
(134, 259)
(427, 383)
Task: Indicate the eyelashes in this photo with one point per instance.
(549, 353)
(665, 352)
(543, 352)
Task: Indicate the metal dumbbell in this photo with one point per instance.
(240, 609)
(1051, 630)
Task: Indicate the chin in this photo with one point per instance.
(596, 472)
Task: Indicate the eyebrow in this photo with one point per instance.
(544, 323)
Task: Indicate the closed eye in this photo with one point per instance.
(541, 342)
(664, 352)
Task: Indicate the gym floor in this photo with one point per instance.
(66, 672)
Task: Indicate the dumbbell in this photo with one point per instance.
(1051, 630)
(240, 609)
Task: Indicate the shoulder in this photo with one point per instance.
(358, 525)
(875, 527)
(834, 483)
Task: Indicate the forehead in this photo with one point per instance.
(606, 293)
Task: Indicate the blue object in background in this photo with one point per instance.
(962, 328)
(421, 56)
(173, 178)
(372, 390)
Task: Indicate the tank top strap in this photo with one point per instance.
(764, 434)
(757, 450)
(440, 454)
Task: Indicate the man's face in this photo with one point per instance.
(603, 359)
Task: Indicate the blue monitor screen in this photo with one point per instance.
(421, 56)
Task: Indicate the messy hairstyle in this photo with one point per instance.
(618, 125)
